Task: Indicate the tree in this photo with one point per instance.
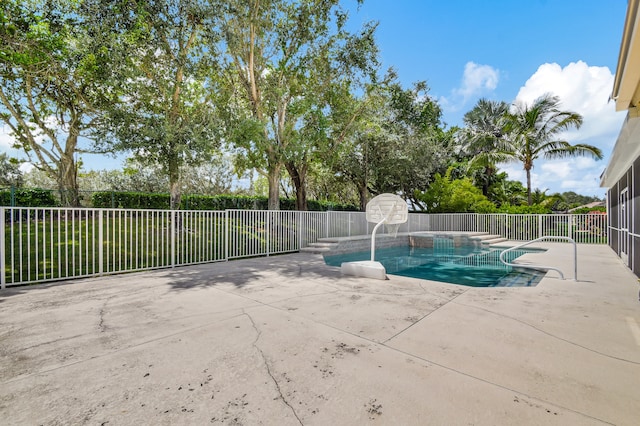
(577, 200)
(346, 64)
(397, 145)
(280, 52)
(211, 178)
(10, 173)
(208, 179)
(482, 140)
(535, 131)
(134, 176)
(447, 195)
(162, 54)
(540, 197)
(326, 185)
(49, 86)
(504, 191)
(36, 178)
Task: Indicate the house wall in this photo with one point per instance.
(634, 220)
(630, 181)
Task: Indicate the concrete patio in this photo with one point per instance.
(286, 340)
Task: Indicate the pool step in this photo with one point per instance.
(517, 280)
(319, 247)
(489, 239)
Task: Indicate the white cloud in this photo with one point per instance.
(557, 169)
(477, 80)
(583, 89)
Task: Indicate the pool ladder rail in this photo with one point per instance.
(546, 237)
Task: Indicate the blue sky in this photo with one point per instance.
(502, 50)
(507, 50)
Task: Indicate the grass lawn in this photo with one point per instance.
(58, 244)
(55, 246)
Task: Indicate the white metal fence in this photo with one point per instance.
(45, 244)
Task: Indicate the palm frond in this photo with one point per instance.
(567, 150)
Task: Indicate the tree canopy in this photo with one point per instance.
(160, 107)
(196, 91)
(50, 86)
(283, 60)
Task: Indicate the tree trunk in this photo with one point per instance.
(174, 184)
(301, 196)
(362, 191)
(274, 188)
(176, 195)
(488, 171)
(298, 176)
(67, 178)
(528, 185)
(68, 182)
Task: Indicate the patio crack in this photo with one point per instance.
(268, 368)
(101, 326)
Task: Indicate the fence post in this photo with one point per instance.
(327, 224)
(570, 226)
(506, 227)
(173, 238)
(3, 278)
(300, 228)
(100, 242)
(540, 233)
(268, 230)
(226, 235)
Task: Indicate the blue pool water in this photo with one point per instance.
(468, 266)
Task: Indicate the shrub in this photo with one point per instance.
(446, 195)
(28, 198)
(585, 210)
(143, 200)
(525, 209)
(130, 200)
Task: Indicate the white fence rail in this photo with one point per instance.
(46, 244)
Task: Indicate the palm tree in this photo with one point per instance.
(483, 138)
(534, 130)
(541, 197)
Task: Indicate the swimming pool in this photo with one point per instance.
(470, 266)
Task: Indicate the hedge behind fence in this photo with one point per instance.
(27, 197)
(143, 200)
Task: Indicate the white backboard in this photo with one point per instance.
(388, 206)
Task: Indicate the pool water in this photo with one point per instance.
(475, 267)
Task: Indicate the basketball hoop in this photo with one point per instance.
(388, 210)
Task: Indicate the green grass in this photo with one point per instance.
(55, 247)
